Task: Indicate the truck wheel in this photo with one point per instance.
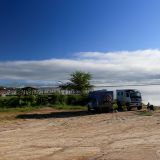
(89, 109)
(128, 108)
(139, 107)
(120, 109)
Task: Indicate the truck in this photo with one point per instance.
(100, 100)
(130, 98)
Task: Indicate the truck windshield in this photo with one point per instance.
(135, 94)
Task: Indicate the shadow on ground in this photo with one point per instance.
(64, 114)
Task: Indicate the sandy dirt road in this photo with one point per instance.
(60, 135)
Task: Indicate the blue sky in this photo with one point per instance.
(118, 41)
(44, 41)
(45, 29)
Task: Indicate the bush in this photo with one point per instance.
(9, 102)
(67, 99)
(77, 100)
(12, 102)
(73, 99)
(41, 100)
(115, 106)
(2, 102)
(59, 99)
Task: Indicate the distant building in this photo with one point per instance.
(7, 91)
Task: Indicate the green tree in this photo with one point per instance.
(79, 82)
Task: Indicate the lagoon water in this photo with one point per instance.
(149, 93)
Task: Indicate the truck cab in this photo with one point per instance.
(129, 97)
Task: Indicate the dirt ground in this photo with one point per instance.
(77, 135)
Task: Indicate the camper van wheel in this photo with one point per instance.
(110, 110)
(139, 107)
(97, 110)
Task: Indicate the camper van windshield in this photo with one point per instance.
(135, 94)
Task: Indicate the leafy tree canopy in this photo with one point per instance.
(79, 82)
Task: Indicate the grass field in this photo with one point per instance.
(8, 114)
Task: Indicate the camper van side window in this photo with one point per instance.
(121, 93)
(127, 94)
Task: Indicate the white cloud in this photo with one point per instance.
(122, 67)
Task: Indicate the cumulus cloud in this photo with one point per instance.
(107, 68)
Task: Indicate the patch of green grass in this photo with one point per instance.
(19, 109)
(68, 107)
(31, 108)
(144, 113)
(9, 114)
